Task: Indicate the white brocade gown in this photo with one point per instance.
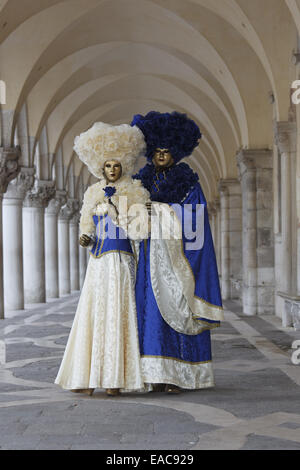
(103, 347)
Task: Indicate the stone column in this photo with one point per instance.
(34, 240)
(225, 260)
(287, 271)
(236, 237)
(255, 168)
(51, 243)
(231, 237)
(210, 210)
(13, 239)
(213, 219)
(9, 169)
(218, 233)
(285, 138)
(214, 224)
(74, 252)
(66, 212)
(211, 213)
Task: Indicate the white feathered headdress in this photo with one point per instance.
(103, 142)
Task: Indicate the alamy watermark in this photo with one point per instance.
(296, 94)
(296, 353)
(165, 222)
(2, 92)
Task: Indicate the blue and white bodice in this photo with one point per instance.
(109, 237)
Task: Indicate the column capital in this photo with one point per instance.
(69, 209)
(251, 159)
(285, 133)
(58, 201)
(225, 185)
(217, 204)
(9, 166)
(76, 218)
(18, 188)
(211, 208)
(40, 195)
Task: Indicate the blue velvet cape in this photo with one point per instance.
(157, 338)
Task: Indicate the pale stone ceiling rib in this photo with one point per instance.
(108, 63)
(129, 91)
(215, 60)
(105, 115)
(74, 47)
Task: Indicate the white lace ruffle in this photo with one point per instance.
(130, 201)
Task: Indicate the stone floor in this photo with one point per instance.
(255, 404)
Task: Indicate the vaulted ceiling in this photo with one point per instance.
(69, 63)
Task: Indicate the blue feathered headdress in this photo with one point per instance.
(173, 131)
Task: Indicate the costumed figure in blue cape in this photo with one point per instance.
(177, 288)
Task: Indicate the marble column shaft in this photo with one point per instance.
(66, 212)
(212, 211)
(51, 243)
(34, 240)
(218, 233)
(225, 259)
(9, 169)
(286, 141)
(287, 261)
(74, 252)
(231, 237)
(13, 239)
(256, 174)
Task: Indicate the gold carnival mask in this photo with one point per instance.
(112, 171)
(162, 158)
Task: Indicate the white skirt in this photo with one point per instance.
(103, 346)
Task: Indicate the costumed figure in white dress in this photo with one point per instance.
(103, 348)
(177, 289)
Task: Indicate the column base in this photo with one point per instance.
(236, 289)
(291, 310)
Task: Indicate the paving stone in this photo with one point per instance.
(117, 428)
(44, 371)
(33, 331)
(15, 352)
(75, 440)
(58, 446)
(161, 438)
(167, 427)
(249, 388)
(12, 428)
(6, 387)
(290, 425)
(18, 443)
(269, 443)
(53, 428)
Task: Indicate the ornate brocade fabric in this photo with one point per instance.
(102, 349)
(171, 371)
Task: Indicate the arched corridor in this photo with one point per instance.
(229, 64)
